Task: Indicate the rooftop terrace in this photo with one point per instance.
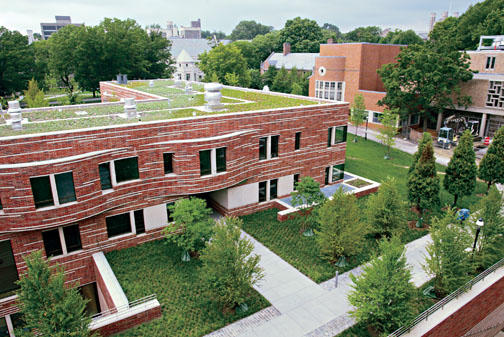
(173, 102)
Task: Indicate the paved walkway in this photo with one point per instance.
(301, 307)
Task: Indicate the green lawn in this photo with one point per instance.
(187, 309)
(364, 158)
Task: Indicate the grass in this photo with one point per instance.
(357, 183)
(187, 308)
(364, 158)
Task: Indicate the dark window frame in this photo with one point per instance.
(105, 181)
(52, 242)
(263, 148)
(205, 171)
(327, 174)
(337, 133)
(77, 244)
(274, 144)
(10, 273)
(296, 179)
(139, 221)
(61, 189)
(297, 141)
(38, 198)
(169, 213)
(220, 160)
(118, 229)
(341, 169)
(263, 185)
(168, 162)
(273, 189)
(329, 137)
(122, 175)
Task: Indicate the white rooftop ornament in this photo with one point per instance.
(266, 88)
(15, 115)
(130, 108)
(213, 97)
(151, 83)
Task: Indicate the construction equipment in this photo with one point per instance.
(445, 138)
(453, 128)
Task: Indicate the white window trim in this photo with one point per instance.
(132, 226)
(113, 178)
(63, 243)
(268, 187)
(54, 192)
(213, 162)
(333, 134)
(331, 167)
(320, 90)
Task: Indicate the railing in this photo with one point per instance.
(113, 312)
(439, 305)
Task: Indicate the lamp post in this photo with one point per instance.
(365, 135)
(479, 224)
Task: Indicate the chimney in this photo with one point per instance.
(432, 21)
(330, 41)
(286, 48)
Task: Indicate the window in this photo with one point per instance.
(338, 172)
(296, 180)
(65, 187)
(187, 76)
(41, 189)
(329, 90)
(169, 212)
(126, 169)
(326, 179)
(18, 321)
(377, 117)
(262, 191)
(105, 179)
(8, 270)
(118, 224)
(1, 206)
(263, 141)
(139, 221)
(495, 94)
(90, 293)
(273, 188)
(62, 240)
(205, 162)
(490, 63)
(336, 135)
(297, 141)
(268, 147)
(221, 159)
(168, 163)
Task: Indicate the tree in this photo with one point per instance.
(460, 178)
(247, 30)
(225, 59)
(34, 97)
(16, 61)
(364, 34)
(192, 224)
(383, 295)
(49, 307)
(232, 79)
(491, 168)
(229, 270)
(269, 76)
(282, 82)
(248, 50)
(158, 57)
(332, 28)
(385, 211)
(388, 130)
(264, 45)
(308, 196)
(205, 34)
(89, 57)
(41, 68)
(304, 35)
(297, 89)
(426, 80)
(341, 232)
(423, 182)
(426, 138)
(447, 258)
(358, 113)
(255, 79)
(405, 37)
(491, 239)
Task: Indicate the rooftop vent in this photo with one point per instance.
(213, 97)
(151, 83)
(130, 108)
(122, 79)
(15, 115)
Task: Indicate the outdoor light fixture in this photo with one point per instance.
(479, 224)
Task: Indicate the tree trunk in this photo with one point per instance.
(488, 187)
(424, 128)
(94, 94)
(455, 199)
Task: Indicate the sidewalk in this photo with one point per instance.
(401, 144)
(300, 307)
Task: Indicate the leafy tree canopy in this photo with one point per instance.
(304, 35)
(222, 60)
(205, 34)
(364, 34)
(406, 37)
(491, 168)
(247, 30)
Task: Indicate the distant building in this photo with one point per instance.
(303, 62)
(444, 16)
(47, 29)
(29, 33)
(173, 31)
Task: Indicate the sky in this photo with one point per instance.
(223, 15)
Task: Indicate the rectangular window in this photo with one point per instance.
(263, 148)
(72, 238)
(329, 90)
(169, 212)
(329, 137)
(376, 117)
(168, 163)
(8, 274)
(326, 179)
(221, 159)
(338, 172)
(139, 221)
(52, 243)
(273, 188)
(274, 146)
(205, 162)
(296, 180)
(41, 189)
(490, 62)
(1, 206)
(118, 224)
(297, 141)
(65, 187)
(105, 179)
(340, 135)
(126, 169)
(262, 191)
(90, 293)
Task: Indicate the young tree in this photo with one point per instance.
(358, 113)
(225, 59)
(269, 76)
(491, 237)
(491, 168)
(341, 231)
(192, 225)
(297, 89)
(388, 130)
(229, 270)
(426, 138)
(460, 178)
(232, 79)
(386, 211)
(307, 193)
(448, 259)
(34, 97)
(423, 182)
(383, 294)
(255, 79)
(282, 82)
(49, 307)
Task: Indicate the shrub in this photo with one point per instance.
(491, 167)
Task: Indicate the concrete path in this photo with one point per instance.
(301, 307)
(401, 144)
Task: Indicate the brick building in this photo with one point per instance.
(344, 70)
(303, 62)
(77, 193)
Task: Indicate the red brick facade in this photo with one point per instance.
(130, 322)
(111, 92)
